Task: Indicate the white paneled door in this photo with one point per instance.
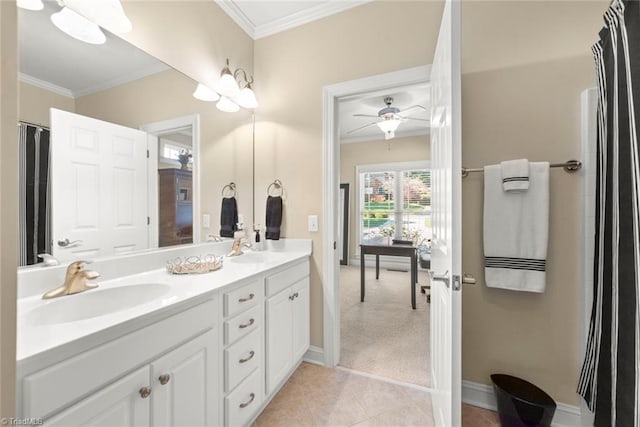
(446, 220)
(99, 187)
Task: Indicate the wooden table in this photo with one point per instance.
(392, 250)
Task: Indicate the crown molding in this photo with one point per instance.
(33, 81)
(293, 20)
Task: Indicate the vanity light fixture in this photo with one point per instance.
(228, 91)
(30, 4)
(204, 93)
(389, 126)
(78, 27)
(227, 105)
(108, 14)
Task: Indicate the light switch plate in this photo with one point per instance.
(206, 220)
(313, 222)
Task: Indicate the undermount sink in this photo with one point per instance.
(255, 257)
(95, 302)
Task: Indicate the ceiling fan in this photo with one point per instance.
(389, 118)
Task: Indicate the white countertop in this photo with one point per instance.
(36, 338)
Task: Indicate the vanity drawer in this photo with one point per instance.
(284, 279)
(242, 298)
(244, 402)
(243, 324)
(242, 358)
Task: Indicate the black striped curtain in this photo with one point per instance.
(610, 376)
(34, 208)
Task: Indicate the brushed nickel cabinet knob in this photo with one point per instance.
(164, 378)
(145, 392)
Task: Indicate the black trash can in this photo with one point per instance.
(522, 404)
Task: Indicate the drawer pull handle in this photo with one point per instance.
(145, 392)
(248, 402)
(164, 378)
(246, 325)
(249, 298)
(246, 359)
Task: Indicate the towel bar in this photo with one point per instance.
(569, 166)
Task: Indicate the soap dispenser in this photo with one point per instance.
(257, 243)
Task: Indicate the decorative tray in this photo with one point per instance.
(194, 264)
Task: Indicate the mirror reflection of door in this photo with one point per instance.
(175, 187)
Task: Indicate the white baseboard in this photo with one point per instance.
(314, 355)
(482, 395)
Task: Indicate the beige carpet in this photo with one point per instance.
(383, 335)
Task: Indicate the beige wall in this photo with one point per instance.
(34, 104)
(9, 212)
(532, 112)
(407, 149)
(293, 67)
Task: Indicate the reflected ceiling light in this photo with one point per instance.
(389, 126)
(227, 105)
(204, 93)
(108, 14)
(77, 26)
(30, 4)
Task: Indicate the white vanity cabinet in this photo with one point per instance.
(135, 379)
(243, 351)
(287, 314)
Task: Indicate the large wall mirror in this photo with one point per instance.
(117, 83)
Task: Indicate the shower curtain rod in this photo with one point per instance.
(569, 166)
(36, 125)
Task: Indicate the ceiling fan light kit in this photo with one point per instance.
(389, 118)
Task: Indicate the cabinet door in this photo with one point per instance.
(185, 384)
(119, 404)
(300, 324)
(279, 334)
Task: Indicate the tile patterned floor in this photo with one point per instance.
(317, 396)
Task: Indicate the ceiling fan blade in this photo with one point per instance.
(365, 115)
(416, 118)
(361, 127)
(412, 107)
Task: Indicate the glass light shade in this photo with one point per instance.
(78, 26)
(388, 125)
(247, 99)
(108, 14)
(227, 105)
(227, 85)
(203, 93)
(30, 4)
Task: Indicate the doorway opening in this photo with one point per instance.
(349, 163)
(174, 181)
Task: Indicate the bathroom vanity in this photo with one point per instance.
(150, 348)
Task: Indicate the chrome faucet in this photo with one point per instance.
(239, 237)
(75, 280)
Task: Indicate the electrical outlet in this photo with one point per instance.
(313, 222)
(206, 220)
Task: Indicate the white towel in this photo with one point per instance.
(515, 175)
(516, 228)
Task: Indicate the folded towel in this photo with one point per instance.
(274, 217)
(515, 175)
(516, 228)
(228, 217)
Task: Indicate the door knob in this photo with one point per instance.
(67, 244)
(440, 278)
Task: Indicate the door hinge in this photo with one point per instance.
(456, 282)
(147, 154)
(148, 221)
(335, 246)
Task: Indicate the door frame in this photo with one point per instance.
(330, 189)
(160, 128)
